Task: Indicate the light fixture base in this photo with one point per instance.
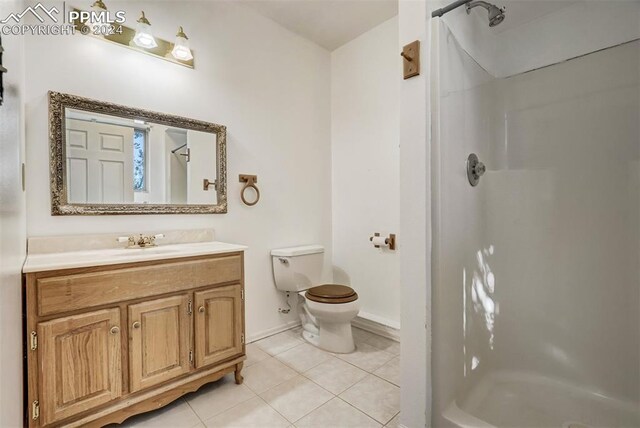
(124, 37)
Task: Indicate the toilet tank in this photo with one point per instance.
(297, 268)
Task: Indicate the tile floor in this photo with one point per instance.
(289, 383)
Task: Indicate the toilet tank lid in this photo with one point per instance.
(297, 251)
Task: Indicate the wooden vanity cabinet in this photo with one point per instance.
(80, 363)
(111, 358)
(159, 345)
(218, 324)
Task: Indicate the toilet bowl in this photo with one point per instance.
(332, 308)
(326, 310)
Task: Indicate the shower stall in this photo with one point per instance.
(536, 269)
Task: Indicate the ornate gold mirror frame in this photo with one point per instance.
(60, 205)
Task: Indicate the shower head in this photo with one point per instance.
(496, 14)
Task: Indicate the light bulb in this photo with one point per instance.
(181, 49)
(143, 37)
(97, 11)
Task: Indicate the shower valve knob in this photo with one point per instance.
(475, 169)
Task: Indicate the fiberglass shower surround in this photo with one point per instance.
(536, 287)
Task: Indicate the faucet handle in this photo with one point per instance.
(141, 241)
(152, 238)
(130, 239)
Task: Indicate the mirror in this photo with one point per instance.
(110, 159)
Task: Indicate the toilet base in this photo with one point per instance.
(328, 326)
(337, 343)
(312, 338)
(336, 337)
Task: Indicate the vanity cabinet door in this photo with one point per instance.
(218, 324)
(80, 363)
(159, 333)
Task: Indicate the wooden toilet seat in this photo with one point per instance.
(332, 294)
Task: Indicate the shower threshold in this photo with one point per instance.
(517, 399)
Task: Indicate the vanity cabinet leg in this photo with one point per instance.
(239, 378)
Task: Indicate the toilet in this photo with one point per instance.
(326, 310)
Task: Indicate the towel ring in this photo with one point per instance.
(250, 183)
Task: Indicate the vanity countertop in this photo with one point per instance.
(103, 257)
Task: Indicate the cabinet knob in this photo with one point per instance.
(201, 309)
(136, 324)
(115, 329)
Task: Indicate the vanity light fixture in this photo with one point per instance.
(97, 7)
(140, 38)
(181, 49)
(143, 37)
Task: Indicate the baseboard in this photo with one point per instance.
(271, 331)
(378, 325)
(372, 323)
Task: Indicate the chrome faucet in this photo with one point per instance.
(141, 241)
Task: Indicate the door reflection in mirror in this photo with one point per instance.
(115, 160)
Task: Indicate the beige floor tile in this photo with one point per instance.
(274, 345)
(367, 357)
(217, 397)
(390, 371)
(254, 355)
(303, 357)
(383, 343)
(254, 413)
(266, 374)
(296, 331)
(335, 375)
(336, 413)
(295, 398)
(394, 423)
(175, 415)
(286, 396)
(376, 397)
(292, 397)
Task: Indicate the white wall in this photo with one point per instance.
(176, 168)
(365, 132)
(271, 89)
(12, 227)
(415, 219)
